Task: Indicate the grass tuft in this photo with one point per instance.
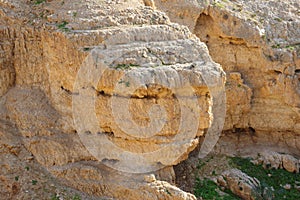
(62, 26)
(207, 189)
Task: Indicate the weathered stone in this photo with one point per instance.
(97, 179)
(238, 101)
(287, 186)
(23, 178)
(270, 159)
(149, 178)
(43, 46)
(182, 12)
(241, 184)
(257, 39)
(44, 69)
(290, 163)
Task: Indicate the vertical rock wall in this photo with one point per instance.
(257, 44)
(47, 44)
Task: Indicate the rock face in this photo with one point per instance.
(241, 184)
(116, 82)
(257, 44)
(21, 177)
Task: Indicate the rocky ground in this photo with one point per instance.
(23, 178)
(44, 45)
(269, 175)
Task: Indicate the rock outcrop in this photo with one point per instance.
(108, 96)
(103, 93)
(257, 44)
(241, 184)
(274, 160)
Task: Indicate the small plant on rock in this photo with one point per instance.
(37, 2)
(62, 26)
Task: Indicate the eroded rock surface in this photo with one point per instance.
(51, 49)
(260, 41)
(241, 184)
(43, 45)
(276, 160)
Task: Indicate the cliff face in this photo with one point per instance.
(103, 95)
(79, 76)
(257, 44)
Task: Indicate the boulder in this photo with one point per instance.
(241, 184)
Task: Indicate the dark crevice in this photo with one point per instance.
(251, 131)
(66, 90)
(170, 94)
(109, 161)
(109, 134)
(277, 72)
(239, 130)
(233, 40)
(88, 132)
(102, 93)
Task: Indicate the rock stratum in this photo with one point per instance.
(257, 44)
(143, 76)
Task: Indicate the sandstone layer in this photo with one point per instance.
(127, 65)
(117, 82)
(257, 44)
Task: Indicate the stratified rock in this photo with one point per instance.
(238, 101)
(260, 41)
(97, 179)
(121, 64)
(22, 177)
(182, 12)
